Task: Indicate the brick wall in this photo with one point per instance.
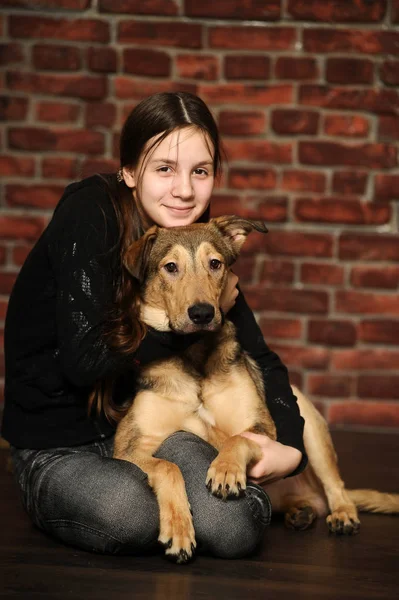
(306, 96)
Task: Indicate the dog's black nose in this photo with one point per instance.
(201, 314)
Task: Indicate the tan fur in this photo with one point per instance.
(215, 390)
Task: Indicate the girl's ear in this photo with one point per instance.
(129, 177)
(137, 256)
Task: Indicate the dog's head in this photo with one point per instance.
(183, 270)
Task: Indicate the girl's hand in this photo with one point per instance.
(277, 461)
(230, 292)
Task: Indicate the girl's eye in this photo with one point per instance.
(201, 172)
(164, 169)
(171, 267)
(215, 264)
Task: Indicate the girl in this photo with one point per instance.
(71, 323)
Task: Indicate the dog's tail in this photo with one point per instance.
(375, 502)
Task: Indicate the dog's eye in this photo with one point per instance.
(171, 267)
(215, 264)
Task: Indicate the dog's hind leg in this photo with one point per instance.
(323, 462)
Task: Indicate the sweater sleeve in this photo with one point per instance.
(281, 401)
(83, 252)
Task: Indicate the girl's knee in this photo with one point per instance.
(236, 527)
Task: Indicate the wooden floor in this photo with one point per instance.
(308, 565)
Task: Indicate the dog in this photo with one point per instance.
(215, 390)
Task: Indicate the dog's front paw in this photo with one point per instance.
(225, 478)
(177, 535)
(344, 521)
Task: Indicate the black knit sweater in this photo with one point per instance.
(54, 344)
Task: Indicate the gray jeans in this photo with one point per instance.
(85, 498)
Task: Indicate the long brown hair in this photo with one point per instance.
(155, 117)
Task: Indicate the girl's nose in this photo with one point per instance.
(182, 186)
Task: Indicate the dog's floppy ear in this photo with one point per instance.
(236, 229)
(137, 255)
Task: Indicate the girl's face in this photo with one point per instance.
(176, 183)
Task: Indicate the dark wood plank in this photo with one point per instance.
(311, 564)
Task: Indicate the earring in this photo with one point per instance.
(119, 175)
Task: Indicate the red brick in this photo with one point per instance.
(57, 112)
(386, 187)
(272, 209)
(2, 255)
(11, 53)
(275, 272)
(379, 331)
(349, 70)
(100, 114)
(332, 386)
(130, 87)
(263, 95)
(388, 128)
(293, 243)
(7, 281)
(389, 72)
(20, 253)
(345, 125)
(242, 123)
(59, 168)
(336, 210)
(259, 151)
(288, 67)
(75, 5)
(21, 228)
(35, 196)
(322, 273)
(369, 246)
(296, 378)
(247, 67)
(196, 66)
(306, 358)
(351, 40)
(291, 121)
(170, 33)
(395, 11)
(303, 181)
(244, 268)
(32, 138)
(13, 109)
(372, 414)
(365, 360)
(332, 332)
(367, 303)
(287, 300)
(376, 101)
(375, 277)
(102, 60)
(252, 38)
(258, 179)
(56, 58)
(77, 86)
(357, 11)
(267, 10)
(93, 166)
(139, 7)
(17, 165)
(280, 328)
(378, 386)
(374, 156)
(349, 182)
(151, 63)
(73, 30)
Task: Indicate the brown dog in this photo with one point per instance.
(215, 390)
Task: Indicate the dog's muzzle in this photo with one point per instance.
(202, 313)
